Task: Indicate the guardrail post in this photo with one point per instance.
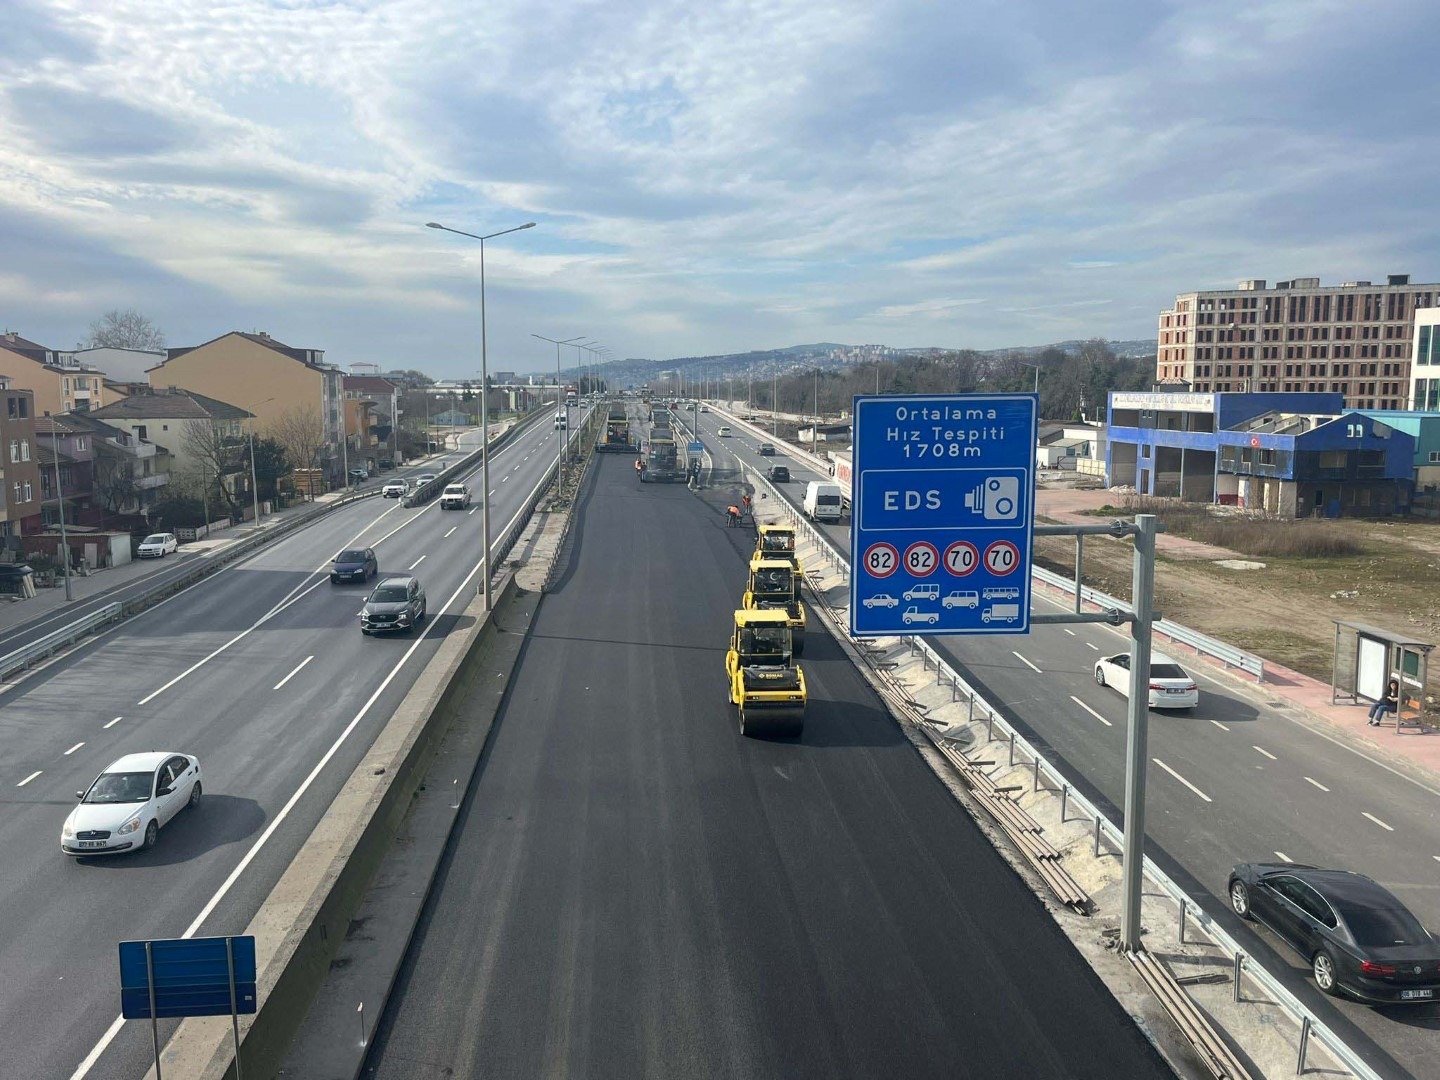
(989, 725)
(1035, 786)
(1239, 966)
(1184, 912)
(1012, 749)
(1097, 836)
(1304, 1045)
(1064, 801)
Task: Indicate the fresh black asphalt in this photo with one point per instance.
(635, 890)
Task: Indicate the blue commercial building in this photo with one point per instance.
(1291, 454)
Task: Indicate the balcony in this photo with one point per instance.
(132, 446)
(154, 480)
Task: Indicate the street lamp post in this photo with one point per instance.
(60, 502)
(560, 409)
(254, 480)
(484, 395)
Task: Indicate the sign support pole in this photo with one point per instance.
(234, 1011)
(154, 1023)
(1142, 598)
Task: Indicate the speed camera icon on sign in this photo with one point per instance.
(996, 499)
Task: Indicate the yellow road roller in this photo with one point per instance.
(766, 686)
(777, 542)
(775, 584)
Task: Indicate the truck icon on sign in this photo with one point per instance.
(1000, 613)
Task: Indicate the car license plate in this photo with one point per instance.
(92, 843)
(1175, 690)
(1416, 995)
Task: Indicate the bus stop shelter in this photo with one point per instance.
(1367, 657)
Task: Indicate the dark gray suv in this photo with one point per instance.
(398, 603)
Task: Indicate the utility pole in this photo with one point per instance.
(774, 405)
(60, 502)
(1137, 731)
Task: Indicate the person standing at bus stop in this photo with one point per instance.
(1389, 703)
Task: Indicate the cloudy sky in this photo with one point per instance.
(705, 177)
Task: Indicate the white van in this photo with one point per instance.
(822, 501)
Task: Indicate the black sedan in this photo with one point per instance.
(1359, 939)
(354, 564)
(778, 474)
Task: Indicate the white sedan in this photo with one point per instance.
(1171, 687)
(158, 545)
(126, 806)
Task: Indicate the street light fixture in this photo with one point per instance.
(484, 393)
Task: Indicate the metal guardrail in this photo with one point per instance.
(1202, 644)
(1189, 907)
(21, 659)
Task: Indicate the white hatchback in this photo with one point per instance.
(158, 545)
(126, 806)
(1171, 687)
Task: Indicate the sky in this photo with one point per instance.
(705, 178)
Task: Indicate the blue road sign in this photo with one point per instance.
(697, 448)
(192, 977)
(941, 514)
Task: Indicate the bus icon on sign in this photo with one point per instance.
(1009, 592)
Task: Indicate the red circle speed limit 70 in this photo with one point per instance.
(921, 559)
(881, 560)
(1001, 557)
(961, 557)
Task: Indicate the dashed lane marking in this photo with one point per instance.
(1283, 857)
(1267, 753)
(1091, 711)
(1312, 780)
(1221, 726)
(74, 748)
(1372, 817)
(292, 674)
(1182, 779)
(32, 776)
(1027, 663)
(112, 723)
(416, 563)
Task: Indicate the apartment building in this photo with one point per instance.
(1355, 339)
(61, 382)
(19, 465)
(163, 417)
(371, 403)
(1424, 388)
(276, 383)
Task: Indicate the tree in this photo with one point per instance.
(114, 484)
(270, 465)
(301, 434)
(216, 454)
(126, 329)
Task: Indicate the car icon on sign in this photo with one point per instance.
(913, 615)
(880, 600)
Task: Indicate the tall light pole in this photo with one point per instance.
(60, 502)
(254, 480)
(484, 395)
(560, 409)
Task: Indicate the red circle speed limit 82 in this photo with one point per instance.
(921, 559)
(881, 560)
(1001, 557)
(961, 557)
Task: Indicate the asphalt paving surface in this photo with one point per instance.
(634, 889)
(261, 671)
(1239, 779)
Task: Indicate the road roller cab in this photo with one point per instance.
(766, 686)
(775, 585)
(777, 542)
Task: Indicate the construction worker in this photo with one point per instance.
(639, 466)
(732, 515)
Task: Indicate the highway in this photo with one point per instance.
(635, 890)
(261, 671)
(1239, 780)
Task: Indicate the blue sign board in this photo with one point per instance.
(192, 977)
(941, 514)
(697, 448)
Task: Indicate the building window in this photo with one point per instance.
(67, 385)
(29, 492)
(82, 384)
(14, 450)
(140, 431)
(24, 449)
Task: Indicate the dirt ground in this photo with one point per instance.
(1282, 609)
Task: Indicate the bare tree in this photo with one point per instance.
(301, 431)
(215, 454)
(114, 483)
(126, 329)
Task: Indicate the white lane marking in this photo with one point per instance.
(74, 748)
(417, 562)
(32, 776)
(83, 1069)
(472, 510)
(452, 529)
(1317, 783)
(292, 674)
(1283, 857)
(1089, 646)
(1068, 631)
(1372, 817)
(1267, 753)
(1027, 663)
(293, 596)
(112, 723)
(502, 480)
(1091, 711)
(1182, 780)
(492, 491)
(1221, 726)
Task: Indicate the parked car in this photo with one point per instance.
(778, 474)
(398, 603)
(158, 545)
(880, 600)
(127, 804)
(1358, 938)
(11, 575)
(354, 564)
(767, 449)
(912, 614)
(1170, 686)
(395, 489)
